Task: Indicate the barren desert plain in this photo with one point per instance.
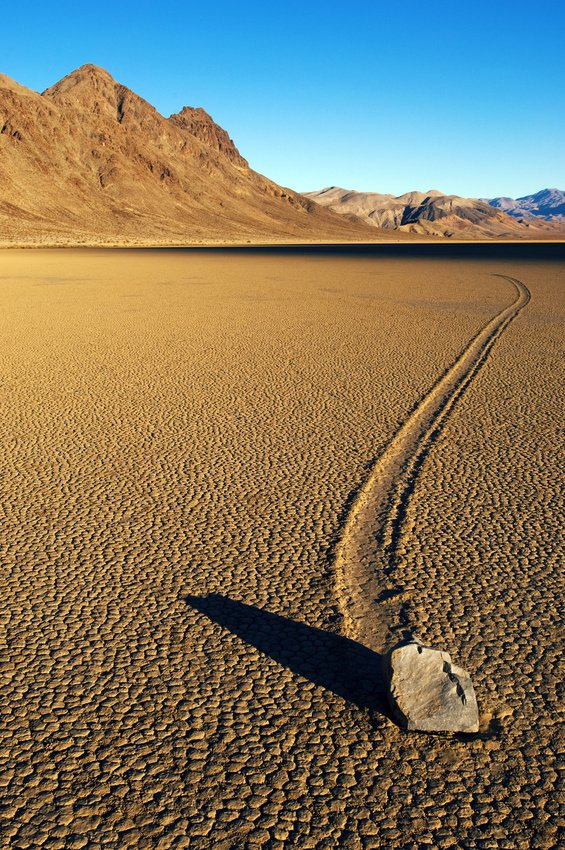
(230, 481)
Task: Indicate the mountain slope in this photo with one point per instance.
(548, 204)
(429, 213)
(90, 161)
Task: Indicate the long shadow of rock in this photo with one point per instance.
(341, 665)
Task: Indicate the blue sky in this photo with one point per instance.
(466, 97)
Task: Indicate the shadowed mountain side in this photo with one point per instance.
(337, 663)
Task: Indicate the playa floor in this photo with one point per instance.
(184, 435)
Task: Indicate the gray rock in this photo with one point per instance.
(427, 691)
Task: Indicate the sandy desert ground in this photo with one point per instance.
(187, 438)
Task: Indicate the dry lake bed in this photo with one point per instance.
(189, 659)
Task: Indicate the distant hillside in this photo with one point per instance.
(548, 204)
(431, 213)
(90, 161)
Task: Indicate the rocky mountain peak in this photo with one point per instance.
(87, 76)
(201, 125)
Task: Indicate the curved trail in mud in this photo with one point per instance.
(373, 608)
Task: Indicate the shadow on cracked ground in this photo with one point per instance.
(331, 661)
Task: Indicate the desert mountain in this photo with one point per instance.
(429, 213)
(548, 204)
(90, 161)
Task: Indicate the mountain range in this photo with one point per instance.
(88, 161)
(434, 213)
(548, 204)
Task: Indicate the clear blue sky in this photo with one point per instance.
(466, 97)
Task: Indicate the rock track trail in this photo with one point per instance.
(372, 602)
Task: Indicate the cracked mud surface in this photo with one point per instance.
(183, 437)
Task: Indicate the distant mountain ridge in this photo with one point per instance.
(548, 204)
(433, 213)
(89, 161)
